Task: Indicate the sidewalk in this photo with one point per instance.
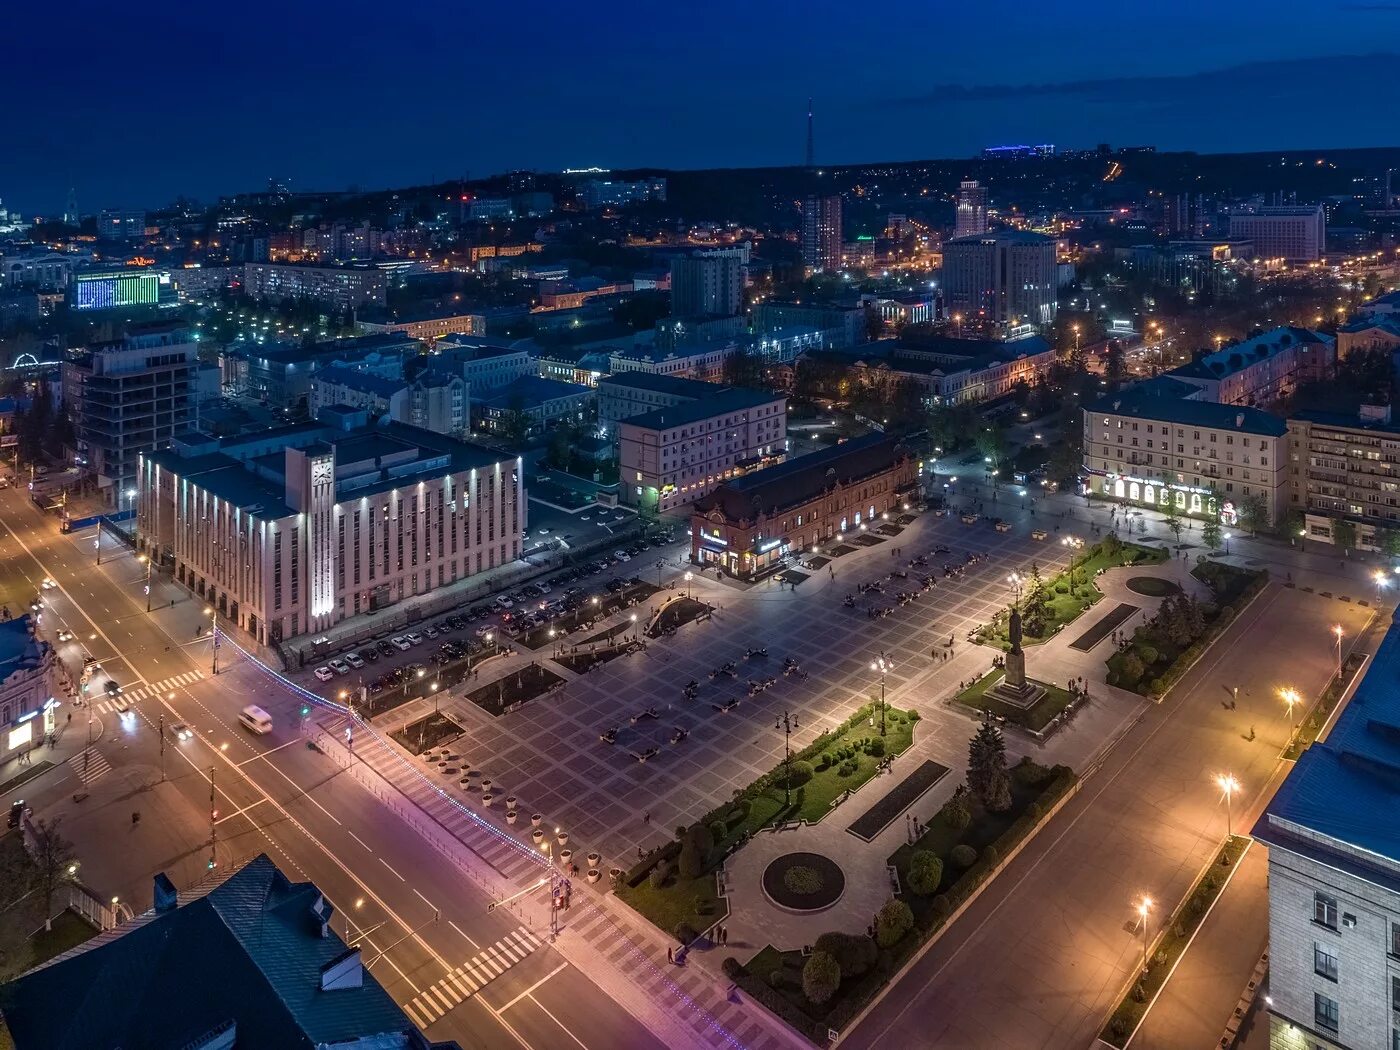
(1201, 993)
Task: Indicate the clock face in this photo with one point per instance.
(321, 472)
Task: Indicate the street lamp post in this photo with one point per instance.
(1291, 697)
(1228, 785)
(882, 664)
(1337, 630)
(1143, 908)
(787, 724)
(1381, 582)
(98, 542)
(213, 615)
(150, 562)
(1227, 543)
(1015, 580)
(688, 577)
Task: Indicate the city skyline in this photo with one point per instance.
(610, 95)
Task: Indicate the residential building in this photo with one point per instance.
(340, 288)
(1345, 468)
(348, 387)
(289, 531)
(1262, 369)
(525, 407)
(1004, 278)
(705, 361)
(129, 397)
(1378, 332)
(671, 333)
(29, 672)
(947, 370)
(748, 524)
(438, 401)
(707, 285)
(631, 393)
(1381, 306)
(120, 225)
(840, 324)
(670, 457)
(486, 364)
(970, 212)
(1154, 444)
(1334, 877)
(1291, 233)
(821, 233)
(428, 325)
(612, 193)
(280, 376)
(247, 960)
(571, 294)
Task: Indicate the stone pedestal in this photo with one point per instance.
(1014, 689)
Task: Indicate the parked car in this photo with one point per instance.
(503, 602)
(339, 666)
(370, 653)
(414, 638)
(386, 648)
(401, 643)
(543, 588)
(431, 631)
(456, 623)
(355, 660)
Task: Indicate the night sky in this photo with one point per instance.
(134, 103)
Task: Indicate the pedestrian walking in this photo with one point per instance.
(646, 817)
(670, 956)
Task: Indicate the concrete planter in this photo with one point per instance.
(537, 836)
(486, 799)
(594, 875)
(593, 860)
(511, 815)
(566, 857)
(536, 819)
(510, 802)
(563, 838)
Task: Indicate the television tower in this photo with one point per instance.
(811, 144)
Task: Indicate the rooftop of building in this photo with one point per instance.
(1388, 299)
(248, 953)
(1159, 404)
(1002, 237)
(797, 481)
(353, 346)
(247, 471)
(19, 649)
(431, 312)
(1377, 421)
(1367, 324)
(353, 379)
(1347, 787)
(655, 354)
(721, 403)
(676, 386)
(1238, 356)
(477, 347)
(528, 391)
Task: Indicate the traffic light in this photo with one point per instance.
(305, 710)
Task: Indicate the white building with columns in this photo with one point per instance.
(290, 531)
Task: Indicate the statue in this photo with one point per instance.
(1014, 632)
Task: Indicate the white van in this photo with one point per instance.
(255, 719)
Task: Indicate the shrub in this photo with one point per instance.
(685, 933)
(1148, 655)
(991, 857)
(802, 879)
(913, 716)
(717, 831)
(925, 872)
(892, 922)
(743, 807)
(848, 767)
(941, 907)
(732, 968)
(853, 952)
(1030, 772)
(876, 747)
(956, 812)
(963, 855)
(660, 874)
(696, 847)
(1062, 588)
(795, 774)
(820, 977)
(777, 978)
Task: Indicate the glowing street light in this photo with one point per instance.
(1381, 582)
(1227, 783)
(1337, 630)
(1144, 907)
(1015, 580)
(1291, 697)
(882, 664)
(688, 577)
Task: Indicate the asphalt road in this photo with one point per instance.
(417, 918)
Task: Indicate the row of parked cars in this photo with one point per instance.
(372, 651)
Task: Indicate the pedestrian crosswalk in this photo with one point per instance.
(469, 978)
(89, 765)
(141, 692)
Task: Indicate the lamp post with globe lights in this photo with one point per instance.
(1228, 785)
(882, 664)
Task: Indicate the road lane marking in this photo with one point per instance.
(425, 900)
(357, 838)
(270, 751)
(396, 874)
(464, 934)
(240, 812)
(527, 991)
(559, 1023)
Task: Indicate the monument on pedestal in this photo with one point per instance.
(1014, 688)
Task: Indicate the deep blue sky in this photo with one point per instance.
(133, 103)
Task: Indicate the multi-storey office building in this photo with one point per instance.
(670, 457)
(132, 396)
(632, 393)
(1293, 233)
(1006, 277)
(427, 325)
(1151, 446)
(821, 233)
(1334, 877)
(1345, 468)
(292, 530)
(707, 285)
(340, 288)
(748, 524)
(281, 375)
(970, 218)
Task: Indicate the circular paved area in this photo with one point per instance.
(803, 882)
(1152, 586)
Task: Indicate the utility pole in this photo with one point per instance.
(213, 823)
(161, 730)
(98, 544)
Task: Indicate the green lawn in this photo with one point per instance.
(762, 804)
(1067, 603)
(68, 931)
(1035, 718)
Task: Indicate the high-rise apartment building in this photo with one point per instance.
(113, 225)
(130, 397)
(704, 286)
(1293, 233)
(821, 233)
(1001, 278)
(971, 212)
